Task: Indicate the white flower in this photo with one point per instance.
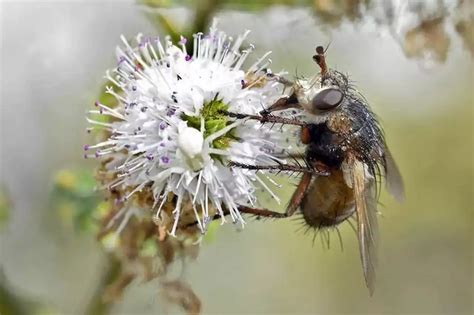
(171, 128)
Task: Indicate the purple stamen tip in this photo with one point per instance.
(85, 156)
(97, 153)
(150, 157)
(183, 40)
(165, 159)
(187, 58)
(86, 147)
(162, 125)
(171, 112)
(96, 103)
(134, 88)
(242, 82)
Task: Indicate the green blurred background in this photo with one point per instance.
(417, 77)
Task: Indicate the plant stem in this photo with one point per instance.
(97, 305)
(203, 11)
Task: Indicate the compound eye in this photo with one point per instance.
(328, 98)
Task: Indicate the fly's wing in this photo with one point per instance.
(367, 227)
(393, 178)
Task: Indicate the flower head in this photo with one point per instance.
(169, 133)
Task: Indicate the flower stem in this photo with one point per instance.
(10, 302)
(97, 304)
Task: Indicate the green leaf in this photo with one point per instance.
(75, 199)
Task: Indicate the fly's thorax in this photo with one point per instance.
(340, 123)
(361, 131)
(328, 202)
(324, 146)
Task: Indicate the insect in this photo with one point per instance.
(345, 157)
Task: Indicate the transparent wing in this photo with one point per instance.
(393, 178)
(367, 226)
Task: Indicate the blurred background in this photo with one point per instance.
(411, 59)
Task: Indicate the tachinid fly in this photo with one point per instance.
(345, 158)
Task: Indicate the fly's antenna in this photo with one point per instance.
(327, 47)
(320, 58)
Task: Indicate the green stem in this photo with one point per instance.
(11, 303)
(204, 10)
(97, 305)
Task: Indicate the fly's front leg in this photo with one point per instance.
(280, 79)
(267, 119)
(282, 103)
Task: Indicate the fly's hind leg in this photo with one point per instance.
(295, 202)
(293, 205)
(262, 212)
(299, 194)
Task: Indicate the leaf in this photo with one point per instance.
(75, 199)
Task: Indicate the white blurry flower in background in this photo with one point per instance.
(169, 132)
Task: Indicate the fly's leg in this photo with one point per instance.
(262, 212)
(282, 103)
(267, 119)
(299, 194)
(265, 116)
(280, 79)
(281, 167)
(294, 204)
(265, 213)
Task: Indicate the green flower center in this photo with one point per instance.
(214, 121)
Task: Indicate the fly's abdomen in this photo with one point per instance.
(328, 202)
